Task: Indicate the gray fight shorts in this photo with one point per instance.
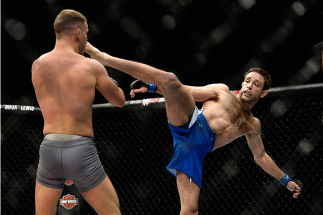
(69, 157)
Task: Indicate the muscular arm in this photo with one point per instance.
(209, 92)
(261, 157)
(200, 94)
(107, 87)
(264, 160)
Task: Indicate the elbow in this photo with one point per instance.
(260, 158)
(257, 160)
(121, 99)
(120, 102)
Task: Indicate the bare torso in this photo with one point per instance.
(65, 88)
(228, 118)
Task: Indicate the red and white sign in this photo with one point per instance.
(68, 201)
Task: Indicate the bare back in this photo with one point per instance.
(65, 83)
(227, 117)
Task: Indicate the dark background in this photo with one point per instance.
(202, 42)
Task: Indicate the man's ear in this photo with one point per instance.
(78, 33)
(264, 93)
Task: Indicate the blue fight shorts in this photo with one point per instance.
(190, 147)
(69, 157)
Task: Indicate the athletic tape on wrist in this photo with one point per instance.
(284, 180)
(152, 88)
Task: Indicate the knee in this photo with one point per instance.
(114, 209)
(111, 211)
(189, 210)
(116, 213)
(170, 81)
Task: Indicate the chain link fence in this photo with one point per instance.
(135, 146)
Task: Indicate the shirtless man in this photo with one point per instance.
(224, 117)
(65, 82)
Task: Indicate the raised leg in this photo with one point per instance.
(179, 101)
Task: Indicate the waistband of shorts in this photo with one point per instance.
(190, 123)
(66, 140)
(182, 131)
(61, 137)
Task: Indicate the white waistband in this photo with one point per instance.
(61, 136)
(195, 114)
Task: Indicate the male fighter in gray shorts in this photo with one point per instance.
(65, 83)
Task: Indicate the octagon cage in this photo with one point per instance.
(135, 145)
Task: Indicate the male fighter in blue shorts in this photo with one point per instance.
(224, 117)
(65, 82)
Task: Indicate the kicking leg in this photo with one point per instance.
(189, 194)
(178, 100)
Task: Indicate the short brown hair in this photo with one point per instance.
(68, 20)
(264, 74)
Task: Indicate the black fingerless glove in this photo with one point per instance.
(285, 179)
(137, 84)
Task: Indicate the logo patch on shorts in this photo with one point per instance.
(68, 201)
(68, 183)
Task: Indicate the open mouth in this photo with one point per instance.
(247, 93)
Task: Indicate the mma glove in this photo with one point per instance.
(285, 179)
(137, 84)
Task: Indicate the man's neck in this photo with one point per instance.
(66, 44)
(246, 106)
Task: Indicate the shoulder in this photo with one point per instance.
(93, 63)
(256, 122)
(41, 58)
(95, 66)
(39, 61)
